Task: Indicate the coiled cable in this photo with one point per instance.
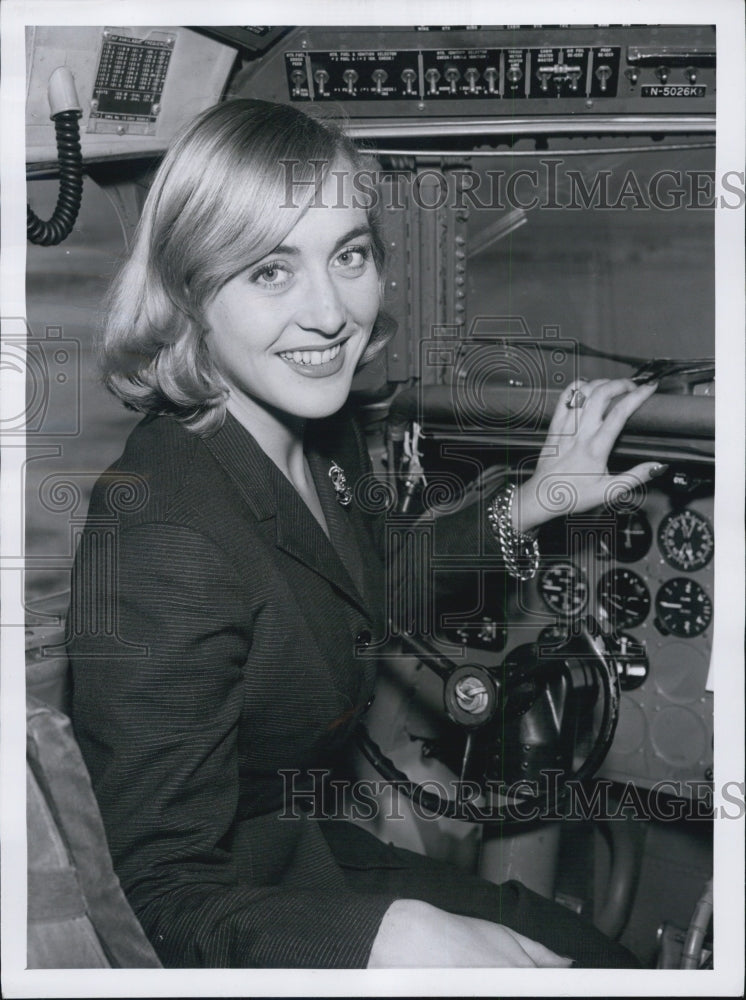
(65, 106)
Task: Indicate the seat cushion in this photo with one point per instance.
(78, 916)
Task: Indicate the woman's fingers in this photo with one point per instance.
(567, 411)
(624, 407)
(636, 477)
(539, 954)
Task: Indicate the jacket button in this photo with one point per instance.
(363, 638)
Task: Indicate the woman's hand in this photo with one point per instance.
(571, 475)
(414, 935)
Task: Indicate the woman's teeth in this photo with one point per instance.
(312, 357)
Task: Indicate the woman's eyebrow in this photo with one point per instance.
(289, 250)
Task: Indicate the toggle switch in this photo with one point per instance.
(432, 76)
(297, 78)
(490, 75)
(602, 75)
(379, 77)
(471, 75)
(663, 73)
(322, 78)
(350, 78)
(691, 74)
(632, 74)
(452, 75)
(514, 75)
(409, 76)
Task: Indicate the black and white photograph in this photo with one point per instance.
(373, 498)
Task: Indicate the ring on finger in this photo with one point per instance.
(576, 399)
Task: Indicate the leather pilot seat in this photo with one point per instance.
(78, 916)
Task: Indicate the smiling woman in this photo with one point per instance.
(231, 583)
(304, 313)
(210, 241)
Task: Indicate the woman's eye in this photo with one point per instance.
(270, 275)
(353, 258)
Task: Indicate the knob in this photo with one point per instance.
(471, 75)
(298, 78)
(379, 76)
(633, 75)
(663, 73)
(322, 78)
(490, 75)
(514, 74)
(452, 76)
(350, 78)
(432, 76)
(602, 75)
(691, 74)
(409, 76)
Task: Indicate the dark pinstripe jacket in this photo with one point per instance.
(215, 637)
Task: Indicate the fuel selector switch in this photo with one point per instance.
(379, 77)
(298, 80)
(322, 78)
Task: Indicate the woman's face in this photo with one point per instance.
(287, 333)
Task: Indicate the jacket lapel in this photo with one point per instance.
(269, 494)
(350, 534)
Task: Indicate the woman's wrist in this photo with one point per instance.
(519, 548)
(527, 513)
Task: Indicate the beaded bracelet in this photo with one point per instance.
(520, 551)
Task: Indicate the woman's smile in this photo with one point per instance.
(315, 363)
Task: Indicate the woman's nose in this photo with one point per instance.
(322, 309)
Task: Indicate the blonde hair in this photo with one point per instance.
(212, 210)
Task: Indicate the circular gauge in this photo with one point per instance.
(564, 588)
(686, 540)
(630, 539)
(623, 597)
(630, 657)
(683, 607)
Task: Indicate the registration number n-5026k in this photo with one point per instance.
(673, 90)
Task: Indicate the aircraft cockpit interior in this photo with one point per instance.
(546, 200)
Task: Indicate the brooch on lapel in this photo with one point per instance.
(339, 482)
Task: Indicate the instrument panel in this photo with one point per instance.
(646, 575)
(512, 73)
(430, 71)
